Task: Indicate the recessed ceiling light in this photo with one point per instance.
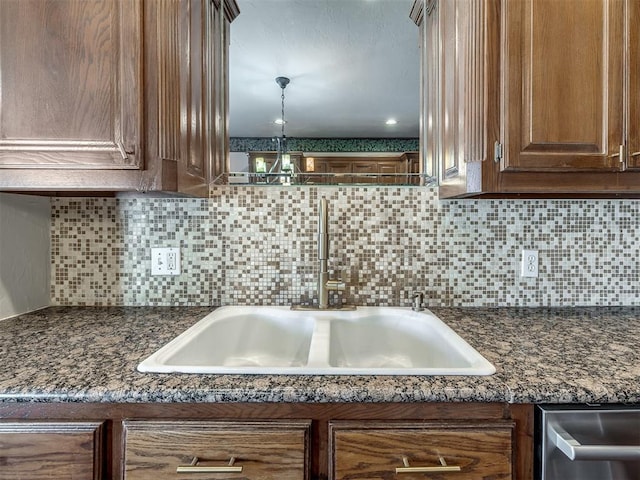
(279, 121)
(391, 121)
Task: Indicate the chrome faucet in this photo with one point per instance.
(325, 285)
(418, 300)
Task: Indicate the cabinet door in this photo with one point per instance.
(365, 171)
(71, 78)
(392, 172)
(49, 450)
(267, 450)
(375, 450)
(633, 14)
(340, 170)
(205, 34)
(562, 85)
(457, 115)
(199, 28)
(320, 170)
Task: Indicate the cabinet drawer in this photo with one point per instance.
(471, 451)
(51, 450)
(262, 450)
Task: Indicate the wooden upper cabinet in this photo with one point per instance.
(205, 35)
(458, 75)
(113, 95)
(71, 84)
(563, 89)
(533, 96)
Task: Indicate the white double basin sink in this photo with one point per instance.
(278, 340)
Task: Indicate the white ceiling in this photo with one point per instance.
(352, 63)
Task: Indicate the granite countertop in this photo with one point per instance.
(90, 354)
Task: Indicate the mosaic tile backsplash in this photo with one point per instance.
(258, 246)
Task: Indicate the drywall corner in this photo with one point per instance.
(25, 264)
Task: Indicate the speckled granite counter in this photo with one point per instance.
(77, 354)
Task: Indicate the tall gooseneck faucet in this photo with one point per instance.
(324, 284)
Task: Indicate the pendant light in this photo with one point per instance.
(283, 159)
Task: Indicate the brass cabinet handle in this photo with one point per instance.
(620, 154)
(193, 467)
(442, 468)
(635, 154)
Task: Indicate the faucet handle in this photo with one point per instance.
(343, 276)
(418, 300)
(336, 285)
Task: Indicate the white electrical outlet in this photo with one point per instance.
(529, 265)
(165, 261)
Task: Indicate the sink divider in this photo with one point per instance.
(319, 348)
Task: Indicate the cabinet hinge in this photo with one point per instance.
(497, 152)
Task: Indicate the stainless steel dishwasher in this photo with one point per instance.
(584, 442)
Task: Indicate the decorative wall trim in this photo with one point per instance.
(244, 144)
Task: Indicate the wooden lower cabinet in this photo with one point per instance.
(51, 450)
(382, 450)
(271, 450)
(283, 441)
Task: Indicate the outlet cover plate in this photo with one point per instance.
(165, 261)
(529, 265)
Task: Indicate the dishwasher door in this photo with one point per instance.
(589, 443)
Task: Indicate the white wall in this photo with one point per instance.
(25, 262)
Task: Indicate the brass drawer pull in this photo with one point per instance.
(193, 467)
(442, 468)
